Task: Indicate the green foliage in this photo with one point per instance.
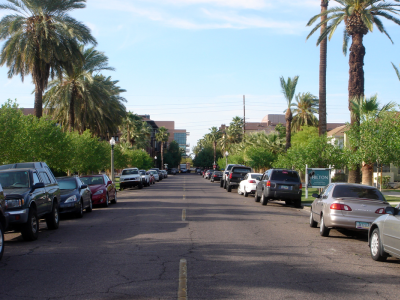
(173, 155)
(304, 109)
(385, 181)
(259, 158)
(303, 137)
(281, 130)
(205, 158)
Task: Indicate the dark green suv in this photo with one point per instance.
(32, 193)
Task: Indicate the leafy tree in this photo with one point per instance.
(302, 138)
(288, 90)
(258, 158)
(214, 136)
(281, 130)
(162, 136)
(359, 17)
(41, 40)
(135, 131)
(304, 109)
(173, 155)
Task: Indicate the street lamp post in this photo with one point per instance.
(155, 161)
(226, 159)
(112, 143)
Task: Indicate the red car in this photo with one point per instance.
(102, 188)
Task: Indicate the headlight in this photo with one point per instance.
(71, 199)
(99, 192)
(14, 203)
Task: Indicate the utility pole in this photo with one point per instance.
(244, 115)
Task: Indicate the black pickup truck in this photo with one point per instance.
(31, 193)
(235, 176)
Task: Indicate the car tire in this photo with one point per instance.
(376, 249)
(323, 230)
(221, 183)
(288, 202)
(107, 203)
(225, 185)
(313, 224)
(228, 188)
(297, 203)
(264, 201)
(256, 197)
(53, 219)
(30, 230)
(114, 201)
(239, 192)
(1, 241)
(90, 207)
(140, 186)
(79, 214)
(246, 194)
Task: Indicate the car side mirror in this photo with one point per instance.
(38, 185)
(390, 210)
(316, 195)
(109, 182)
(84, 186)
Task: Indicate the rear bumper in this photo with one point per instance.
(276, 195)
(346, 222)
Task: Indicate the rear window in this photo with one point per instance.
(256, 176)
(290, 176)
(130, 172)
(343, 191)
(241, 170)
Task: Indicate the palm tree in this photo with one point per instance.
(305, 108)
(74, 87)
(162, 136)
(363, 108)
(135, 131)
(323, 47)
(359, 17)
(288, 90)
(41, 40)
(214, 136)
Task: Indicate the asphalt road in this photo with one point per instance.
(234, 249)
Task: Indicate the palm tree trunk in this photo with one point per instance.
(72, 111)
(356, 87)
(162, 155)
(289, 118)
(367, 173)
(215, 150)
(322, 73)
(38, 109)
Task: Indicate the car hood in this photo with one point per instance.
(16, 193)
(96, 187)
(65, 194)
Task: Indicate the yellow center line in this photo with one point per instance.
(183, 214)
(182, 289)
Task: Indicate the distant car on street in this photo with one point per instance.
(102, 188)
(75, 196)
(249, 184)
(216, 176)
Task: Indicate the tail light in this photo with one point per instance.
(268, 183)
(230, 176)
(339, 206)
(380, 211)
(301, 186)
(252, 181)
(215, 175)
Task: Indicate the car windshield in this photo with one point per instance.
(153, 172)
(290, 176)
(92, 180)
(12, 180)
(345, 191)
(142, 173)
(67, 184)
(130, 172)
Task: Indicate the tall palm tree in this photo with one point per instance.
(214, 135)
(288, 90)
(304, 109)
(135, 131)
(359, 17)
(41, 40)
(323, 48)
(363, 108)
(162, 136)
(74, 87)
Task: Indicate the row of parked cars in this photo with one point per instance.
(30, 192)
(338, 206)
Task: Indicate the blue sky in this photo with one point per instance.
(192, 61)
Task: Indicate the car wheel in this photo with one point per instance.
(90, 207)
(228, 188)
(30, 230)
(225, 185)
(239, 192)
(53, 219)
(107, 203)
(323, 230)
(264, 201)
(376, 248)
(221, 183)
(313, 224)
(1, 241)
(256, 197)
(246, 194)
(297, 203)
(140, 185)
(79, 214)
(288, 202)
(114, 201)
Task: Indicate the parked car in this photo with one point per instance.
(165, 173)
(384, 235)
(236, 175)
(102, 188)
(173, 171)
(225, 174)
(130, 177)
(279, 184)
(249, 184)
(345, 205)
(198, 171)
(160, 175)
(75, 196)
(145, 177)
(31, 193)
(207, 175)
(216, 176)
(3, 220)
(155, 175)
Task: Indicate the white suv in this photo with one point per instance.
(130, 177)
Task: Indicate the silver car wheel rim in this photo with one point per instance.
(34, 224)
(311, 218)
(56, 215)
(321, 226)
(374, 244)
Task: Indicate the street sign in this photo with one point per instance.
(214, 167)
(317, 178)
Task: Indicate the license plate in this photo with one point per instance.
(363, 225)
(286, 187)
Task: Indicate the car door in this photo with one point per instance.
(243, 183)
(318, 203)
(391, 233)
(110, 187)
(85, 193)
(45, 203)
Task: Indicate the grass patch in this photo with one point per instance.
(116, 181)
(391, 190)
(310, 199)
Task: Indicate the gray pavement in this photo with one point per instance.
(234, 248)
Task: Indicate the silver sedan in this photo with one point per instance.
(348, 206)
